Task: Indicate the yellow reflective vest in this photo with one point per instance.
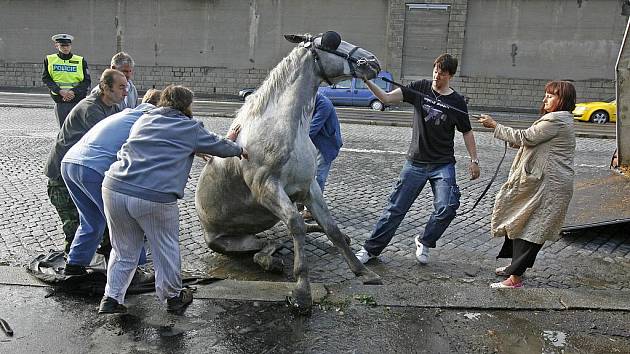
(65, 73)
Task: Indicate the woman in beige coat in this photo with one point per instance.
(530, 207)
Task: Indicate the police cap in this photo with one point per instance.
(62, 38)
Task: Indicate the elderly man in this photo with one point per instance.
(66, 75)
(83, 116)
(124, 63)
(83, 169)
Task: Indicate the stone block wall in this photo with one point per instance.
(523, 94)
(21, 75)
(204, 81)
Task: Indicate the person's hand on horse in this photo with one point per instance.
(233, 133)
(244, 154)
(205, 157)
(487, 121)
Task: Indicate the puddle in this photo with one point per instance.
(556, 338)
(472, 316)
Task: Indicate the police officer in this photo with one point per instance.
(66, 75)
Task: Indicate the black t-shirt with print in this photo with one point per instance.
(433, 124)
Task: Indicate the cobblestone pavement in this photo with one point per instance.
(359, 184)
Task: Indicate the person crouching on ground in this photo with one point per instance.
(530, 207)
(140, 193)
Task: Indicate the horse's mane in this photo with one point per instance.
(285, 72)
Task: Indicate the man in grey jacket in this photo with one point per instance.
(83, 116)
(124, 63)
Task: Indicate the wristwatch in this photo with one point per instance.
(475, 161)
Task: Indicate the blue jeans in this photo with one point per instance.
(323, 168)
(84, 185)
(412, 179)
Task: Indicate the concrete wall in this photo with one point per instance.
(233, 34)
(513, 48)
(543, 39)
(215, 47)
(555, 39)
(220, 46)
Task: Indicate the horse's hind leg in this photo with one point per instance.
(247, 244)
(234, 244)
(320, 212)
(265, 259)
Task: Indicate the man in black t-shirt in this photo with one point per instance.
(438, 111)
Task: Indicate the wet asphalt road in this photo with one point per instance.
(69, 324)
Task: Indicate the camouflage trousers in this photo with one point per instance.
(67, 211)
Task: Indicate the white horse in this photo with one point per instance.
(236, 199)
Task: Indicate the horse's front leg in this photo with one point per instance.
(274, 198)
(321, 214)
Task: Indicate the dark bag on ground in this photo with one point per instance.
(49, 268)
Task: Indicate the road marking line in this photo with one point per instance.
(370, 151)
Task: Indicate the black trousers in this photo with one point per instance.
(62, 109)
(523, 254)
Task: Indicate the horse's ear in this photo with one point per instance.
(330, 40)
(295, 38)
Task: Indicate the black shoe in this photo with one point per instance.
(74, 269)
(110, 305)
(179, 303)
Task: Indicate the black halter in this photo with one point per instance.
(310, 45)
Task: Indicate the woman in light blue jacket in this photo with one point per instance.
(140, 193)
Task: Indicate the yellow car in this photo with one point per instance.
(596, 112)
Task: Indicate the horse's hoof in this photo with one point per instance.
(297, 308)
(371, 279)
(313, 227)
(269, 263)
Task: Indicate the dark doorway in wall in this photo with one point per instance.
(425, 37)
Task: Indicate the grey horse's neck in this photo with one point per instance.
(287, 93)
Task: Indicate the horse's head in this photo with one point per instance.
(337, 59)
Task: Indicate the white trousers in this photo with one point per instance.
(130, 219)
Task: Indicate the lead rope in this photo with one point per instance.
(496, 172)
(442, 104)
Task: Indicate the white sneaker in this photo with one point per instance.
(422, 252)
(364, 256)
